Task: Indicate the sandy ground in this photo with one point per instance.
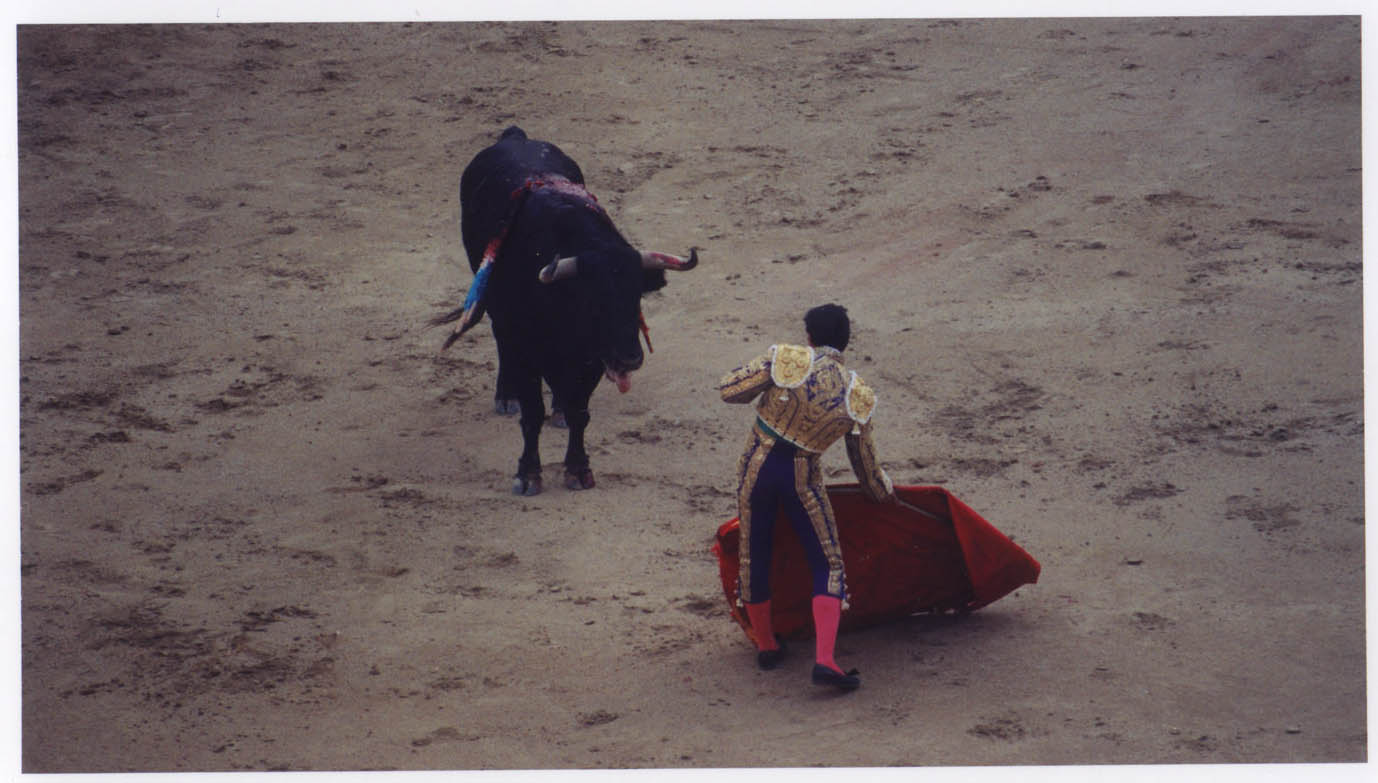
(1105, 275)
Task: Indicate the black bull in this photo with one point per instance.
(560, 284)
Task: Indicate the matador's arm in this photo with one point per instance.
(747, 381)
(861, 452)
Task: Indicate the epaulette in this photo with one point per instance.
(790, 365)
(861, 400)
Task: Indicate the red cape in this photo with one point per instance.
(927, 553)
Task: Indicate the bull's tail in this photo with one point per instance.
(455, 335)
(468, 318)
(448, 318)
(451, 317)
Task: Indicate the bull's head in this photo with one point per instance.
(608, 286)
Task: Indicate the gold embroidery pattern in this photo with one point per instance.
(808, 484)
(747, 381)
(813, 414)
(861, 453)
(790, 365)
(861, 400)
(748, 468)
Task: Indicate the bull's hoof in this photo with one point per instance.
(557, 419)
(506, 407)
(581, 479)
(526, 485)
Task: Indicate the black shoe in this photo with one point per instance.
(822, 675)
(769, 659)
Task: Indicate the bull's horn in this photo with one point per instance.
(560, 269)
(667, 261)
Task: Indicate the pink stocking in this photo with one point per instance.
(827, 615)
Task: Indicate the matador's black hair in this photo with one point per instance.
(828, 325)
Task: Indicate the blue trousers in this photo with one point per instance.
(778, 476)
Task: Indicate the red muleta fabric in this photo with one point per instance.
(928, 553)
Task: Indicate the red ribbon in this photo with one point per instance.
(646, 332)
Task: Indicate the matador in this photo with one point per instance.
(806, 400)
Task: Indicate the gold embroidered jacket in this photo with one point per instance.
(809, 398)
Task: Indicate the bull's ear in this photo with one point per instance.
(560, 269)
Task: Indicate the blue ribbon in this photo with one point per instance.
(480, 284)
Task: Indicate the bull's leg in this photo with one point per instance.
(504, 405)
(528, 478)
(557, 411)
(578, 474)
(504, 401)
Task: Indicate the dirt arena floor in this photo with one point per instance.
(1105, 275)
